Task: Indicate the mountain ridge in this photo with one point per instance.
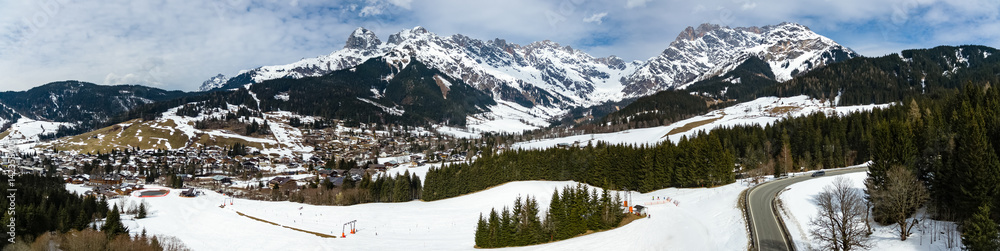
(546, 79)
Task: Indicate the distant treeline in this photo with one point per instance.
(701, 161)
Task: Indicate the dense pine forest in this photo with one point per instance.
(662, 108)
(44, 214)
(382, 188)
(43, 205)
(573, 212)
(701, 161)
(421, 95)
(85, 104)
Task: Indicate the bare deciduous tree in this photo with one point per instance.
(900, 196)
(840, 224)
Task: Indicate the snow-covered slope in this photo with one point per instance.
(709, 50)
(703, 219)
(761, 111)
(25, 132)
(361, 45)
(172, 131)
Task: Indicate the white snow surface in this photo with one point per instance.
(704, 219)
(761, 111)
(24, 133)
(800, 209)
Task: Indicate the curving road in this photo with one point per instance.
(766, 229)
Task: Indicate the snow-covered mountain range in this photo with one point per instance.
(540, 73)
(709, 50)
(548, 74)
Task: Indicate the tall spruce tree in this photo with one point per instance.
(979, 232)
(113, 225)
(975, 164)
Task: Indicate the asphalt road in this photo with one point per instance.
(767, 232)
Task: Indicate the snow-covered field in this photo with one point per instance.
(704, 219)
(25, 132)
(800, 208)
(761, 111)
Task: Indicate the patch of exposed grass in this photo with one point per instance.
(210, 140)
(691, 125)
(143, 135)
(292, 228)
(783, 110)
(629, 218)
(138, 134)
(4, 134)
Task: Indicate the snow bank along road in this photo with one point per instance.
(766, 231)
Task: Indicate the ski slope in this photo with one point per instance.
(704, 219)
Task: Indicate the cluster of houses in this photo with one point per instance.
(213, 163)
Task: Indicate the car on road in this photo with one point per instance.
(819, 173)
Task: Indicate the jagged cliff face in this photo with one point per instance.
(699, 53)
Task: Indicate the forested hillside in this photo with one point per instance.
(377, 92)
(701, 161)
(82, 103)
(858, 81)
(662, 108)
(893, 77)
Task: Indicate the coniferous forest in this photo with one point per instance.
(948, 142)
(701, 161)
(573, 212)
(382, 188)
(44, 214)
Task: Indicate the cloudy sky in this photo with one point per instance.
(176, 45)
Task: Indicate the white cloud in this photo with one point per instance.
(180, 44)
(635, 3)
(596, 18)
(405, 4)
(368, 11)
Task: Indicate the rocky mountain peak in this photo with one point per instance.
(362, 39)
(415, 33)
(789, 48)
(214, 82)
(691, 33)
